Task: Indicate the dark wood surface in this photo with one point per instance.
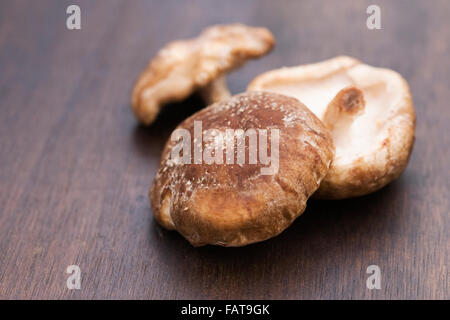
(75, 168)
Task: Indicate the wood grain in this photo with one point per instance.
(75, 167)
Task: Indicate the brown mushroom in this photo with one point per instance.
(232, 203)
(185, 66)
(369, 112)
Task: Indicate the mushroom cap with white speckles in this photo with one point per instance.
(235, 204)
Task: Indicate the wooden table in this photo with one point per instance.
(76, 168)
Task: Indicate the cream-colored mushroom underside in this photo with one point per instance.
(316, 87)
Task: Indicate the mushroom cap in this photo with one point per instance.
(373, 145)
(183, 66)
(233, 204)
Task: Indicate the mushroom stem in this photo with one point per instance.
(215, 91)
(345, 106)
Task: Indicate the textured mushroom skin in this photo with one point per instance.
(375, 149)
(234, 205)
(182, 67)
